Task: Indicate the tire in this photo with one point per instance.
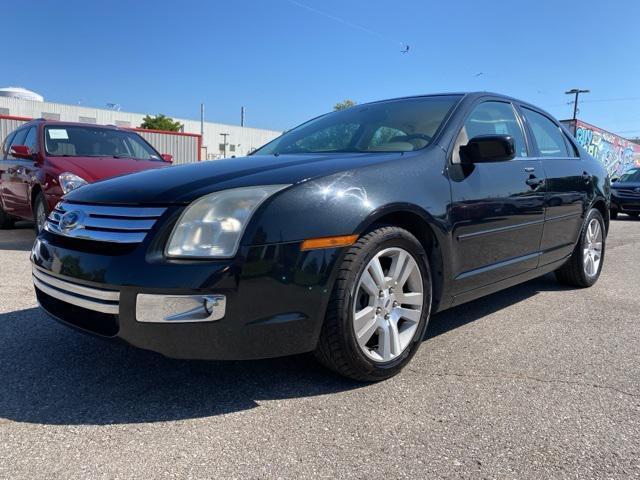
(6, 221)
(39, 208)
(579, 271)
(633, 214)
(338, 347)
(613, 214)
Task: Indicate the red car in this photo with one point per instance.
(43, 160)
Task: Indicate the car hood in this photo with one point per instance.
(184, 183)
(93, 169)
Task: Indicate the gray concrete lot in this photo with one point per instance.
(538, 381)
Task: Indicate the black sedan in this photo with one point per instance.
(341, 237)
(625, 194)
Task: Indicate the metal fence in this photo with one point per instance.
(9, 124)
(184, 147)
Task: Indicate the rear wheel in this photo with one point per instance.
(6, 221)
(379, 307)
(40, 212)
(585, 264)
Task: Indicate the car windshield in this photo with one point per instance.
(391, 126)
(81, 141)
(632, 175)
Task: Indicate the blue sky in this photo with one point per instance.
(288, 60)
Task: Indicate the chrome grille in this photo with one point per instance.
(99, 300)
(631, 192)
(102, 223)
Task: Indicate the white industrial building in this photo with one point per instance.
(19, 102)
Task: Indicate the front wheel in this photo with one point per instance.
(379, 307)
(40, 212)
(585, 264)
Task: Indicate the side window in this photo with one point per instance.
(573, 151)
(18, 139)
(491, 118)
(548, 136)
(31, 140)
(7, 144)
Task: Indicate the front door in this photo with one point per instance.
(497, 210)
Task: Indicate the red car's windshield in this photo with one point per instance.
(81, 141)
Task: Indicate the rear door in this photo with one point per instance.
(24, 172)
(568, 185)
(497, 210)
(12, 189)
(4, 166)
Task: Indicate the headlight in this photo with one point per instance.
(213, 225)
(69, 181)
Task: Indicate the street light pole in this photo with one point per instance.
(224, 145)
(576, 92)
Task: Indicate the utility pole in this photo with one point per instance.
(576, 92)
(224, 145)
(242, 116)
(202, 120)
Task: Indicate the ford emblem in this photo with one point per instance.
(70, 220)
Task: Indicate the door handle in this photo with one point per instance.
(529, 169)
(534, 182)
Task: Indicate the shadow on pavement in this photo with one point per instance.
(53, 375)
(469, 312)
(20, 237)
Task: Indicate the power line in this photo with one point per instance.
(344, 22)
(622, 99)
(598, 100)
(576, 92)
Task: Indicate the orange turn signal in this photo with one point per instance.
(329, 242)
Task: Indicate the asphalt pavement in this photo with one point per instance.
(538, 381)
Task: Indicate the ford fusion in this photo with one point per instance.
(341, 237)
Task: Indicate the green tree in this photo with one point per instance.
(160, 122)
(344, 104)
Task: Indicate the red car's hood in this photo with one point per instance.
(93, 169)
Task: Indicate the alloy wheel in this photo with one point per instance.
(388, 304)
(592, 253)
(41, 216)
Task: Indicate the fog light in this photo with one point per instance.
(179, 308)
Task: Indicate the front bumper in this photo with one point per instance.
(625, 203)
(275, 297)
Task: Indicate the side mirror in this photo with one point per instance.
(488, 148)
(167, 158)
(21, 151)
